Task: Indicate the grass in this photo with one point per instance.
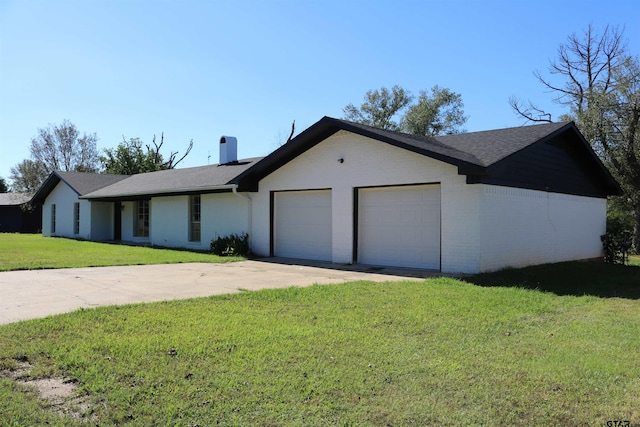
(570, 278)
(32, 251)
(437, 352)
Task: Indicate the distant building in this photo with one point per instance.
(16, 216)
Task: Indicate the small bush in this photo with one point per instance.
(617, 241)
(231, 245)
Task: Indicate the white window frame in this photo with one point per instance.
(53, 218)
(76, 218)
(142, 216)
(195, 218)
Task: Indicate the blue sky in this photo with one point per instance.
(201, 69)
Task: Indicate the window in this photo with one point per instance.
(141, 226)
(194, 218)
(76, 218)
(53, 218)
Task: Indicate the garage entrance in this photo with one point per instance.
(301, 224)
(399, 226)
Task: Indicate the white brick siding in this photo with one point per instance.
(367, 162)
(64, 198)
(483, 227)
(527, 227)
(221, 214)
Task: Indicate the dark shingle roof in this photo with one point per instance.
(473, 153)
(174, 181)
(84, 183)
(478, 148)
(491, 146)
(81, 182)
(434, 145)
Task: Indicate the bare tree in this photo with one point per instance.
(158, 159)
(599, 82)
(56, 147)
(62, 147)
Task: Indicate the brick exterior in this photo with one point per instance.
(483, 227)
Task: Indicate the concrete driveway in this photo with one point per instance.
(39, 293)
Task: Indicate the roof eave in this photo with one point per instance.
(46, 188)
(160, 193)
(613, 187)
(323, 129)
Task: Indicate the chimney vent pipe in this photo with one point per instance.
(228, 149)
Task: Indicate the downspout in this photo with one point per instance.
(234, 189)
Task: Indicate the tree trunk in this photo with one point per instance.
(636, 228)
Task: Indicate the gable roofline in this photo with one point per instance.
(613, 186)
(472, 153)
(55, 177)
(47, 187)
(327, 126)
(194, 180)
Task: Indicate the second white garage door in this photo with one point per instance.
(302, 224)
(399, 226)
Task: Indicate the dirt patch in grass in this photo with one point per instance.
(59, 394)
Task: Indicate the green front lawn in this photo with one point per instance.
(437, 352)
(32, 251)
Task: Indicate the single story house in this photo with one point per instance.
(349, 193)
(65, 214)
(17, 216)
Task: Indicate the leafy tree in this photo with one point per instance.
(56, 147)
(27, 176)
(129, 157)
(4, 188)
(439, 111)
(379, 108)
(600, 84)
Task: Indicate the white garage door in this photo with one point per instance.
(302, 224)
(399, 226)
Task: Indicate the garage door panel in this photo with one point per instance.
(302, 224)
(399, 226)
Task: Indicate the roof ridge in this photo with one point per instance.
(419, 138)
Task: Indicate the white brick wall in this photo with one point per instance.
(169, 221)
(483, 227)
(368, 162)
(460, 227)
(221, 215)
(527, 227)
(128, 216)
(64, 198)
(102, 220)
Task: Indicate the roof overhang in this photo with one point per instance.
(47, 187)
(612, 186)
(323, 129)
(124, 197)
